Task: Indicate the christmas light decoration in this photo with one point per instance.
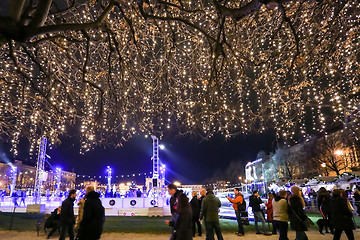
(110, 69)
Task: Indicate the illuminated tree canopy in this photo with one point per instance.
(115, 68)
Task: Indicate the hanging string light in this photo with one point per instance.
(196, 67)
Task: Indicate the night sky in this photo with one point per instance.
(188, 159)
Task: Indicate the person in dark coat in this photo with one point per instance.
(202, 196)
(357, 200)
(183, 219)
(254, 203)
(324, 206)
(67, 217)
(92, 223)
(53, 221)
(297, 213)
(195, 207)
(210, 213)
(174, 192)
(341, 215)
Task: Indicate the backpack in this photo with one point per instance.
(242, 206)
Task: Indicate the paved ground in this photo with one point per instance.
(312, 235)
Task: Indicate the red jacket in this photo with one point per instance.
(269, 210)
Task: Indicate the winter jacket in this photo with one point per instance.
(200, 201)
(80, 213)
(357, 198)
(209, 207)
(341, 215)
(269, 210)
(238, 199)
(93, 218)
(195, 207)
(280, 209)
(324, 202)
(183, 226)
(67, 212)
(255, 203)
(297, 214)
(173, 202)
(53, 220)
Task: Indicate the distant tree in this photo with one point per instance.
(263, 155)
(216, 177)
(328, 151)
(286, 163)
(234, 171)
(294, 162)
(270, 170)
(231, 174)
(309, 168)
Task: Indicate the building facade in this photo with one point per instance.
(26, 174)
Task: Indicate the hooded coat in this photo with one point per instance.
(93, 220)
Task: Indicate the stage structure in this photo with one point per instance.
(155, 159)
(41, 175)
(155, 184)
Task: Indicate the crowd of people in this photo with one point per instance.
(282, 208)
(88, 223)
(19, 198)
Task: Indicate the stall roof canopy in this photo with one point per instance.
(324, 179)
(348, 176)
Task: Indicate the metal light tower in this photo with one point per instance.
(58, 173)
(40, 170)
(155, 159)
(109, 178)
